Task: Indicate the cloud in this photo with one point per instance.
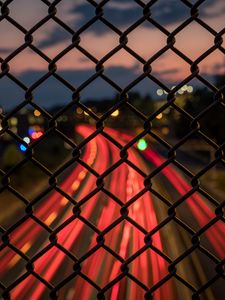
(5, 51)
(98, 40)
(56, 36)
(169, 71)
(214, 9)
(123, 14)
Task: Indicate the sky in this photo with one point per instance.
(99, 39)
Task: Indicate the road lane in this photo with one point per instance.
(48, 265)
(101, 263)
(199, 265)
(202, 213)
(29, 231)
(102, 268)
(143, 212)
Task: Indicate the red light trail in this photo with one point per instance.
(102, 268)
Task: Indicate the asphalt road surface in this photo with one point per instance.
(54, 263)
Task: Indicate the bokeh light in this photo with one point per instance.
(26, 139)
(115, 113)
(159, 92)
(37, 113)
(142, 144)
(23, 148)
(190, 89)
(159, 116)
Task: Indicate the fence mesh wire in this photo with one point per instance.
(123, 101)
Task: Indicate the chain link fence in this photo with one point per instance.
(126, 278)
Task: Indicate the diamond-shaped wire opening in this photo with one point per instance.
(158, 204)
(204, 40)
(179, 242)
(52, 94)
(150, 97)
(80, 169)
(77, 72)
(170, 14)
(44, 209)
(122, 16)
(53, 152)
(30, 66)
(35, 286)
(213, 179)
(24, 123)
(130, 116)
(83, 13)
(196, 260)
(75, 287)
(98, 266)
(183, 289)
(108, 210)
(122, 68)
(29, 20)
(12, 154)
(13, 265)
(210, 13)
(133, 182)
(206, 239)
(156, 40)
(122, 237)
(194, 106)
(98, 34)
(30, 237)
(169, 182)
(12, 207)
(207, 72)
(215, 114)
(31, 172)
(71, 236)
(13, 38)
(50, 34)
(46, 265)
(9, 89)
(99, 89)
(202, 154)
(125, 286)
(157, 269)
(170, 68)
(98, 145)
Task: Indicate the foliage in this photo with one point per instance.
(211, 123)
(11, 156)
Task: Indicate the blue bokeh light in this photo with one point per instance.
(23, 148)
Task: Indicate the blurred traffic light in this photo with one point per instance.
(142, 144)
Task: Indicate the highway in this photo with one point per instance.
(103, 267)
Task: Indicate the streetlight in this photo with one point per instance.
(115, 113)
(159, 116)
(37, 113)
(159, 92)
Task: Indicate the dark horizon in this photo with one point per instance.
(53, 93)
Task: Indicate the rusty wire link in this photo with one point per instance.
(123, 101)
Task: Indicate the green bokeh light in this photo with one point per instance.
(142, 144)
